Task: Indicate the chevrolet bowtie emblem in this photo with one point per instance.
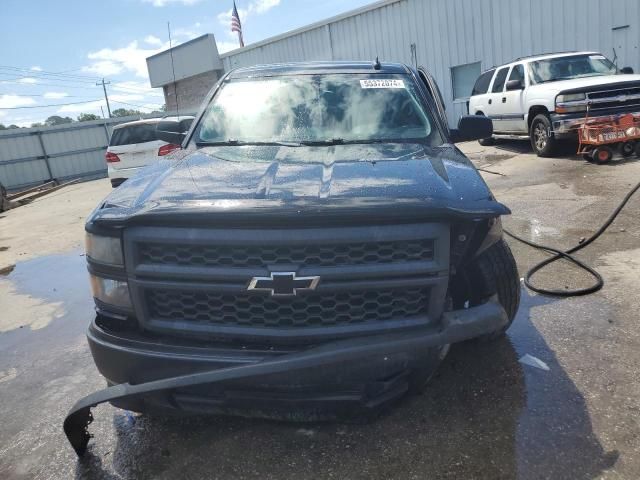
(283, 284)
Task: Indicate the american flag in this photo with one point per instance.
(236, 26)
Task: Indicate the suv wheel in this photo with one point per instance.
(486, 142)
(541, 134)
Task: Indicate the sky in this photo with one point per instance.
(53, 52)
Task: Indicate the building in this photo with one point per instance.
(454, 39)
(186, 72)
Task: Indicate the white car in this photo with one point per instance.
(547, 96)
(134, 145)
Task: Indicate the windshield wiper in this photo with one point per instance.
(342, 141)
(242, 143)
(308, 143)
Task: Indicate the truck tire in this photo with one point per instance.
(486, 142)
(543, 142)
(627, 149)
(495, 271)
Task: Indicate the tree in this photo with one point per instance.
(37, 124)
(86, 117)
(57, 120)
(2, 127)
(12, 126)
(123, 112)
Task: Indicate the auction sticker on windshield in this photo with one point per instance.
(382, 83)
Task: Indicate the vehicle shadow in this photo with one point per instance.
(484, 415)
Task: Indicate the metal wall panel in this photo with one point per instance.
(73, 150)
(454, 32)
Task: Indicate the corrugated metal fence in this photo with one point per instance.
(29, 156)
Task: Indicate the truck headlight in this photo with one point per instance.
(572, 102)
(111, 292)
(106, 250)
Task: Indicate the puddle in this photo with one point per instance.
(36, 292)
(538, 231)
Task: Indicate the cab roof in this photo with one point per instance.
(309, 68)
(541, 56)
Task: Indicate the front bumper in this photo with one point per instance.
(567, 124)
(296, 369)
(375, 364)
(122, 173)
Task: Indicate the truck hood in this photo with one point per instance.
(554, 88)
(324, 180)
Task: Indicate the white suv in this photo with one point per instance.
(134, 145)
(548, 96)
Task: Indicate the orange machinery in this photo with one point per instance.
(599, 138)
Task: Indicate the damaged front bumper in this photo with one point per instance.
(330, 357)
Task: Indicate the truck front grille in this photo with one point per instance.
(359, 253)
(301, 311)
(372, 279)
(624, 97)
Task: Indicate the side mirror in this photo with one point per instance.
(472, 127)
(626, 70)
(514, 85)
(171, 131)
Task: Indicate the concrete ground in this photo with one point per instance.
(485, 415)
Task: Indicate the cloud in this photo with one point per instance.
(28, 80)
(261, 6)
(112, 61)
(55, 95)
(82, 107)
(163, 3)
(224, 47)
(36, 68)
(138, 101)
(109, 62)
(256, 7)
(154, 41)
(12, 101)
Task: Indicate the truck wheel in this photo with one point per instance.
(602, 154)
(637, 149)
(495, 271)
(627, 149)
(543, 142)
(486, 142)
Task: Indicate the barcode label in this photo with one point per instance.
(382, 83)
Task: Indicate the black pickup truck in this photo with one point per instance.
(313, 250)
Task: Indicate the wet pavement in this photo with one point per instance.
(484, 415)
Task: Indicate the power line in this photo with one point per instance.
(42, 77)
(44, 72)
(137, 106)
(150, 93)
(38, 95)
(47, 84)
(52, 105)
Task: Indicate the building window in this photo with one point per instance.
(463, 77)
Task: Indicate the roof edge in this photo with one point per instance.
(180, 45)
(311, 26)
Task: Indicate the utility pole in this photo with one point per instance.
(106, 98)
